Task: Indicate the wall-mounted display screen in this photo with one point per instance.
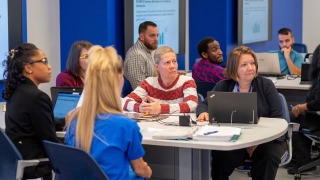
(254, 21)
(169, 15)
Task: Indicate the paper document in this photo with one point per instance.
(179, 133)
(214, 133)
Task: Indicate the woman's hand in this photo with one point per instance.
(298, 109)
(203, 117)
(150, 106)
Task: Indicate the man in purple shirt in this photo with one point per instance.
(207, 68)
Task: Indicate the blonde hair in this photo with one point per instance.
(158, 53)
(101, 92)
(233, 61)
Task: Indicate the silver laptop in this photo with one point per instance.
(232, 107)
(268, 63)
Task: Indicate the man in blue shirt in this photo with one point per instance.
(290, 60)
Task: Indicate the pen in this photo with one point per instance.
(210, 132)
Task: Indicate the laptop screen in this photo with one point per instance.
(56, 90)
(65, 102)
(268, 63)
(232, 107)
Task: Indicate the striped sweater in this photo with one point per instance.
(179, 97)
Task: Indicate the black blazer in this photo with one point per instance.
(269, 103)
(29, 120)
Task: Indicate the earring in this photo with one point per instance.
(30, 72)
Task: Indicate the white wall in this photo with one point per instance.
(311, 24)
(43, 29)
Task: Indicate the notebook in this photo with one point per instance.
(65, 102)
(268, 64)
(305, 74)
(55, 91)
(232, 107)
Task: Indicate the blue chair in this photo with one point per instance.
(71, 163)
(300, 48)
(127, 88)
(11, 163)
(204, 87)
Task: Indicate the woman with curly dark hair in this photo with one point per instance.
(29, 115)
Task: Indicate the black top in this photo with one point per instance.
(29, 120)
(313, 104)
(269, 103)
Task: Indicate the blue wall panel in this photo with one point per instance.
(100, 22)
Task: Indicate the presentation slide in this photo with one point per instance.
(165, 13)
(4, 36)
(255, 20)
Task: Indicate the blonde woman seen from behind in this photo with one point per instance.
(99, 127)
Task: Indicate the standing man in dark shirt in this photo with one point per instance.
(207, 69)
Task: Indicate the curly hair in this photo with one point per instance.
(14, 64)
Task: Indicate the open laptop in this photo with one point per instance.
(232, 107)
(65, 102)
(55, 91)
(268, 64)
(305, 73)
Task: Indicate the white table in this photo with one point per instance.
(293, 84)
(192, 159)
(266, 130)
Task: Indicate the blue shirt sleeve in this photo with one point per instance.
(135, 149)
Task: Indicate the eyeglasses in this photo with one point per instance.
(292, 77)
(85, 56)
(44, 61)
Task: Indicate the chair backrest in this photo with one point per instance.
(300, 48)
(285, 110)
(9, 156)
(127, 88)
(204, 87)
(72, 163)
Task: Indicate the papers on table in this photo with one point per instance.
(214, 133)
(180, 133)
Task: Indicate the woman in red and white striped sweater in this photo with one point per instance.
(167, 92)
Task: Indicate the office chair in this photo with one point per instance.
(300, 48)
(72, 163)
(287, 156)
(315, 137)
(11, 163)
(127, 88)
(204, 87)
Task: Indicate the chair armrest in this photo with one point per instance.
(27, 163)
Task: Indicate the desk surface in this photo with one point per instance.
(289, 84)
(266, 130)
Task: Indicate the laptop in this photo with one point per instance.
(232, 107)
(55, 91)
(305, 73)
(65, 102)
(268, 64)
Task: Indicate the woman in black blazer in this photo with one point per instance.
(29, 115)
